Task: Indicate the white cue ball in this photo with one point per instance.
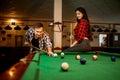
(55, 55)
(65, 66)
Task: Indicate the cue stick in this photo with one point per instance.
(24, 60)
(39, 54)
(38, 49)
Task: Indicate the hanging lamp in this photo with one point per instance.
(17, 27)
(26, 27)
(8, 27)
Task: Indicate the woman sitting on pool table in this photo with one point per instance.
(81, 32)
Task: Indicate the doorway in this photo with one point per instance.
(103, 40)
(18, 40)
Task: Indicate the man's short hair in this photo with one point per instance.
(38, 25)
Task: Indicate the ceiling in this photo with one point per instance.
(98, 10)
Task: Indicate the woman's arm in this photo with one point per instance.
(74, 43)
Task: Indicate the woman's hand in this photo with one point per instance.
(71, 45)
(74, 43)
(71, 37)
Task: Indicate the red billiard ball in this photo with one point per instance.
(95, 57)
(83, 60)
(77, 57)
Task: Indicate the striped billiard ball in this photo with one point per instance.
(62, 55)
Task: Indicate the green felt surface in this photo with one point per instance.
(49, 68)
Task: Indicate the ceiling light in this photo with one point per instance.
(8, 27)
(17, 28)
(106, 30)
(26, 27)
(99, 30)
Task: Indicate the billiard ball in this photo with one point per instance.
(55, 55)
(83, 60)
(77, 57)
(62, 55)
(95, 57)
(113, 58)
(64, 66)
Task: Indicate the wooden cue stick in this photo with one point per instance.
(38, 48)
(23, 59)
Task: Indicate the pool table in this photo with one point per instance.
(43, 67)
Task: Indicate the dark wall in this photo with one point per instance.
(11, 55)
(114, 40)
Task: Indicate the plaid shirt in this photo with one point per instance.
(43, 42)
(81, 30)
